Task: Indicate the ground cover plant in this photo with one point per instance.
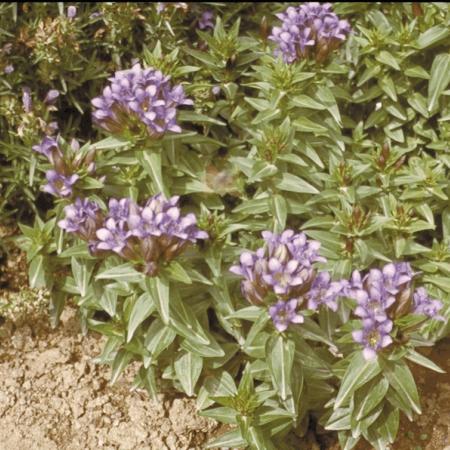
(250, 200)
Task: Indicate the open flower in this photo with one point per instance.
(374, 336)
(284, 313)
(59, 185)
(326, 292)
(46, 147)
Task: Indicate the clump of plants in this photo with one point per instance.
(261, 219)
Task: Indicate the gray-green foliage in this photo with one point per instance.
(354, 151)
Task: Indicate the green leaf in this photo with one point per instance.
(386, 58)
(222, 414)
(417, 358)
(417, 72)
(80, 251)
(339, 420)
(158, 338)
(388, 87)
(259, 440)
(440, 78)
(57, 302)
(188, 368)
(347, 441)
(384, 429)
(255, 206)
(142, 308)
(108, 301)
(432, 36)
(401, 379)
(159, 290)
(441, 282)
(121, 361)
(359, 372)
(280, 357)
(256, 329)
(260, 170)
(111, 143)
(185, 322)
(192, 116)
(81, 274)
(292, 183)
(151, 162)
(280, 210)
(308, 126)
(125, 272)
(368, 397)
(36, 272)
(230, 439)
(176, 272)
(304, 101)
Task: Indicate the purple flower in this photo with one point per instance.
(284, 266)
(8, 69)
(284, 313)
(326, 292)
(59, 185)
(215, 90)
(161, 224)
(71, 11)
(381, 291)
(82, 218)
(26, 100)
(51, 97)
(374, 336)
(114, 236)
(119, 210)
(311, 27)
(425, 305)
(397, 276)
(206, 20)
(144, 95)
(154, 233)
(283, 276)
(46, 147)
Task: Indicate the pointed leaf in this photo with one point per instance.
(359, 372)
(280, 354)
(159, 289)
(188, 368)
(142, 308)
(440, 78)
(401, 379)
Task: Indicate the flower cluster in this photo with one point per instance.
(152, 234)
(312, 29)
(383, 295)
(63, 176)
(139, 96)
(284, 269)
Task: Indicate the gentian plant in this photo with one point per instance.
(257, 214)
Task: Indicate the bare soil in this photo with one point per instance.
(53, 397)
